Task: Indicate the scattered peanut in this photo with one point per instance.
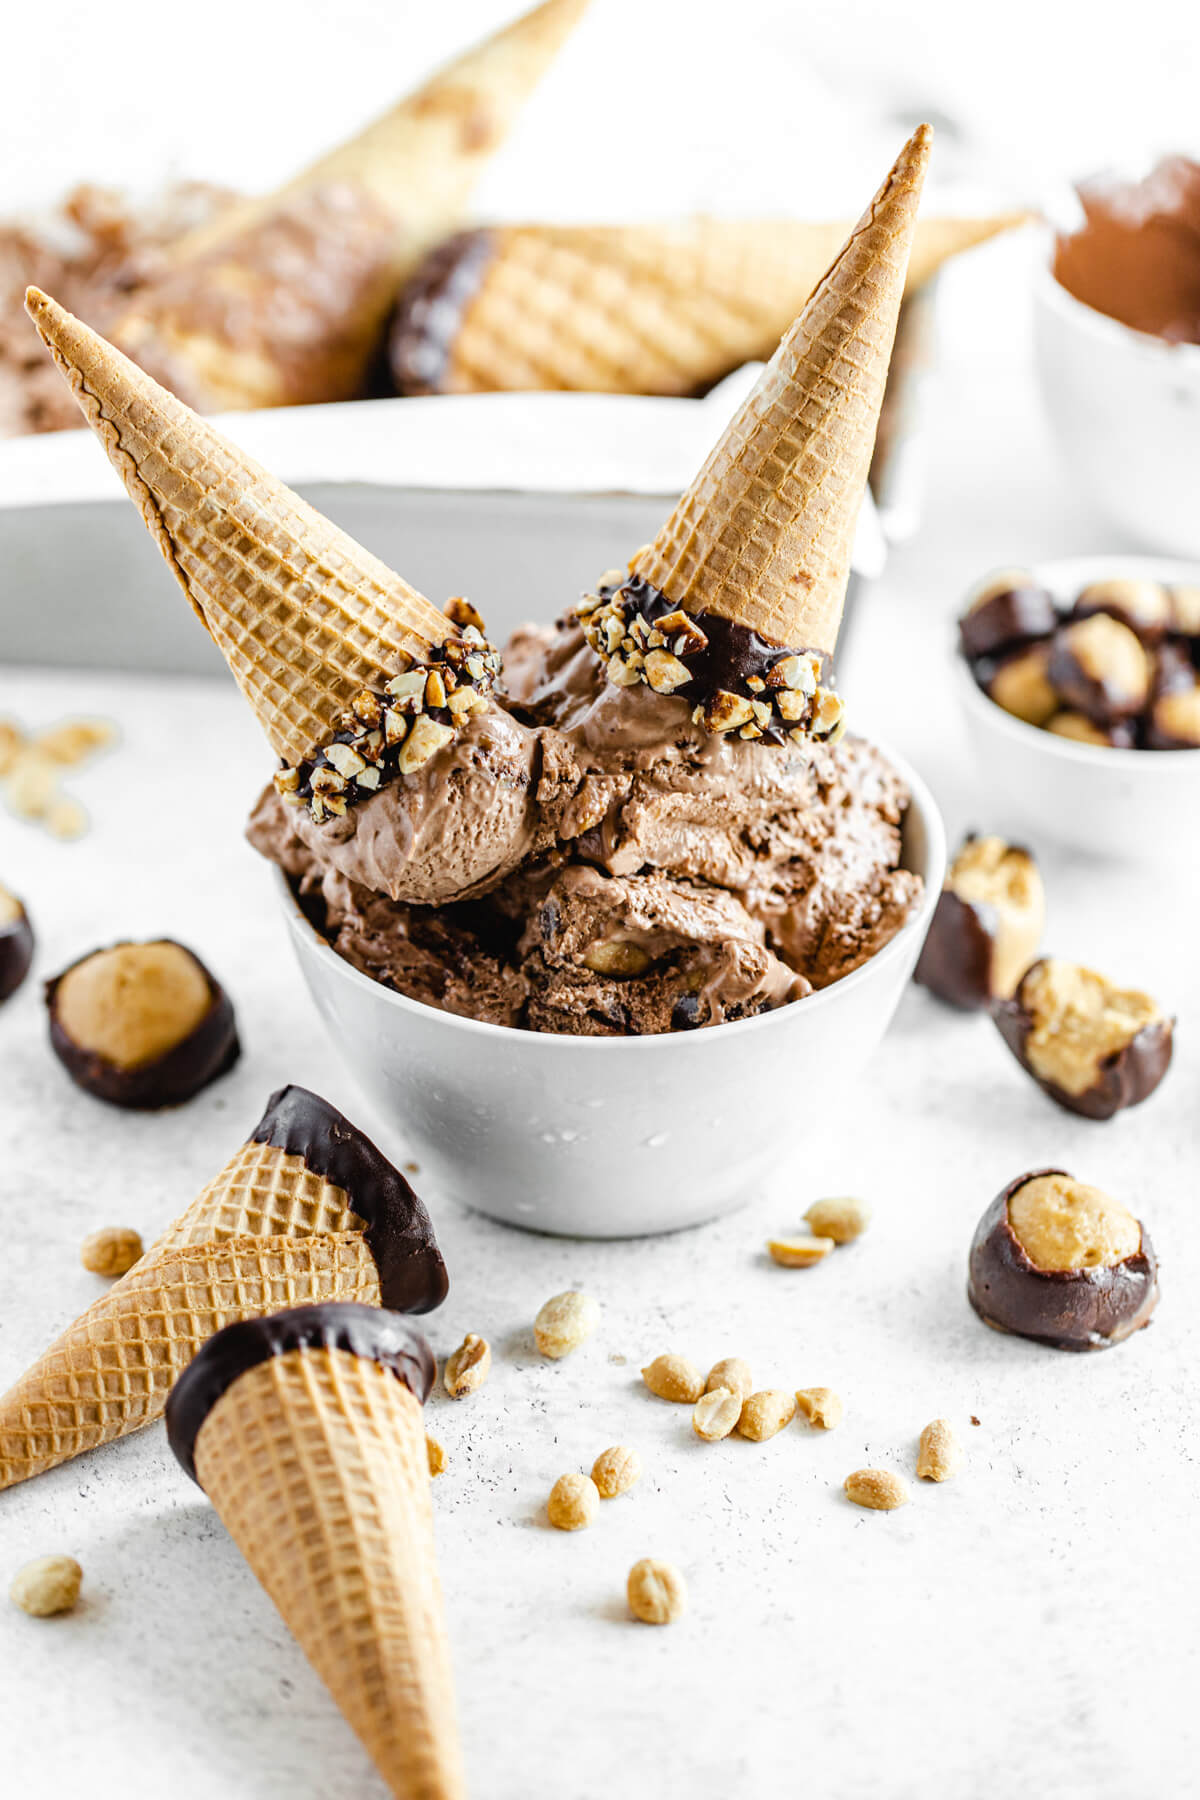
(616, 1470)
(799, 1252)
(716, 1413)
(879, 1489)
(564, 1322)
(574, 1502)
(656, 1591)
(467, 1368)
(48, 1584)
(765, 1413)
(110, 1251)
(940, 1456)
(436, 1455)
(841, 1218)
(732, 1373)
(673, 1377)
(821, 1407)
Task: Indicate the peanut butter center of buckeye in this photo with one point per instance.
(1062, 1224)
(1079, 1020)
(10, 907)
(1110, 653)
(988, 871)
(133, 1003)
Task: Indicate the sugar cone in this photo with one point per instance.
(305, 617)
(638, 309)
(316, 1462)
(283, 301)
(112, 1370)
(764, 534)
(269, 1231)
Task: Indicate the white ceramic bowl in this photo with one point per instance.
(601, 1137)
(1125, 408)
(1141, 805)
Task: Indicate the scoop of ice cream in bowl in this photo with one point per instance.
(600, 921)
(1117, 341)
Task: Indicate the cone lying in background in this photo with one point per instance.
(305, 1431)
(736, 604)
(283, 301)
(307, 619)
(307, 1210)
(638, 309)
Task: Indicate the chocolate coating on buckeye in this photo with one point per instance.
(1085, 1308)
(1092, 1048)
(1100, 667)
(1006, 615)
(16, 944)
(399, 1233)
(429, 312)
(106, 1063)
(986, 926)
(382, 1337)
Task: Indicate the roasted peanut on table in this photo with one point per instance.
(673, 1377)
(765, 1413)
(656, 1591)
(574, 1502)
(616, 1470)
(47, 1585)
(880, 1490)
(940, 1455)
(564, 1322)
(112, 1250)
(467, 1367)
(821, 1407)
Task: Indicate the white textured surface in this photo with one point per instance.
(1028, 1629)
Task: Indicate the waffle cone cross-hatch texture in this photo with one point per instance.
(316, 1462)
(633, 309)
(282, 302)
(305, 617)
(764, 534)
(268, 1232)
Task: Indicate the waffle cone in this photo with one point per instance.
(764, 534)
(640, 309)
(111, 1371)
(282, 301)
(316, 1462)
(305, 617)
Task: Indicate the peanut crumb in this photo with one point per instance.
(436, 1455)
(673, 1377)
(467, 1368)
(113, 1250)
(940, 1455)
(574, 1502)
(656, 1591)
(47, 1585)
(821, 1406)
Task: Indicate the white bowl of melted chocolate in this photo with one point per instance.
(602, 920)
(1117, 337)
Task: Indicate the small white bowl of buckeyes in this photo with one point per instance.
(1079, 681)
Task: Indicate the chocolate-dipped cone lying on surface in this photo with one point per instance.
(306, 1432)
(651, 835)
(1063, 1263)
(307, 1210)
(282, 301)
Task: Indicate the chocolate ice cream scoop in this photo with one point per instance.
(16, 943)
(141, 1025)
(1063, 1263)
(1093, 1047)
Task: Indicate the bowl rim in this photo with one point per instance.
(1049, 290)
(1057, 573)
(661, 1043)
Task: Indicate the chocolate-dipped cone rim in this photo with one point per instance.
(1131, 1285)
(429, 312)
(1124, 1078)
(399, 1232)
(209, 1050)
(383, 1337)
